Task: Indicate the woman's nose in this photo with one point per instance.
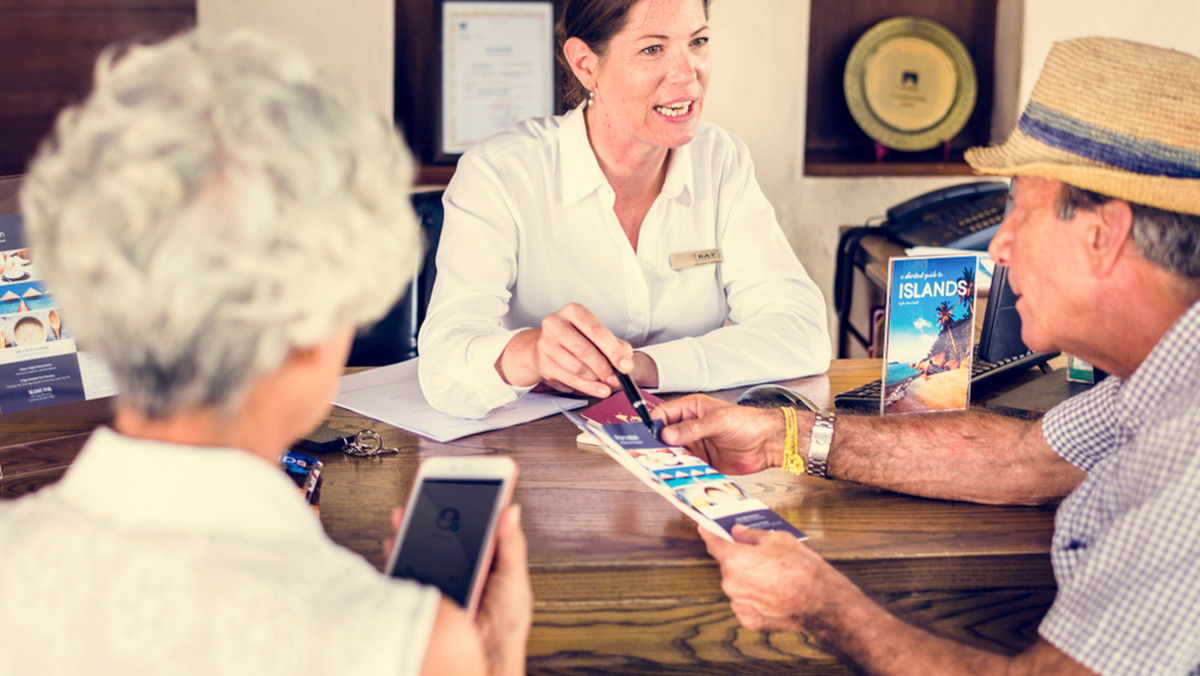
(683, 67)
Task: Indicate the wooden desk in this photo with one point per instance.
(621, 580)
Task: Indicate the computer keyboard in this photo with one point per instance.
(867, 397)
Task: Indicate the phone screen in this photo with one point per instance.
(445, 534)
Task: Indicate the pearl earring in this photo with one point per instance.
(591, 96)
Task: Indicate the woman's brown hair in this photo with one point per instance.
(595, 22)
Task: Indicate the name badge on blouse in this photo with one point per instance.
(690, 259)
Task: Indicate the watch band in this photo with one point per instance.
(818, 448)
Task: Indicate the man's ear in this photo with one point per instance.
(583, 61)
(1108, 234)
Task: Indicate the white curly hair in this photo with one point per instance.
(214, 203)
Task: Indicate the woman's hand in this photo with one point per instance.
(572, 351)
(506, 609)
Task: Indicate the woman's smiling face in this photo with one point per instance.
(649, 85)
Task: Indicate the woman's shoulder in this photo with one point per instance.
(531, 135)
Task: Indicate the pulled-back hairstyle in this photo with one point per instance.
(595, 22)
(214, 203)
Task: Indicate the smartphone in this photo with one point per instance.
(449, 529)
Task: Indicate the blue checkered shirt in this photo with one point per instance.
(1126, 548)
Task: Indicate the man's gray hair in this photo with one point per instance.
(1169, 239)
(214, 203)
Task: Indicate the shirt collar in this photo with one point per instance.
(139, 483)
(581, 173)
(678, 183)
(1172, 368)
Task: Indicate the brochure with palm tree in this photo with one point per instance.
(930, 334)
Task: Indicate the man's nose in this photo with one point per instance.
(1001, 244)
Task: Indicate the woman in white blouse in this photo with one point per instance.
(625, 233)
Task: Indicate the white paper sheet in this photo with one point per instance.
(392, 395)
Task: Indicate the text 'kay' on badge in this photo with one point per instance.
(690, 259)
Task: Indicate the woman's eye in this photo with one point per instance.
(652, 50)
(700, 42)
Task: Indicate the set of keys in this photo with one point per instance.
(366, 444)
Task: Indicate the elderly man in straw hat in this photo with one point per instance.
(216, 219)
(1103, 244)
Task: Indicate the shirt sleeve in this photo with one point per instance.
(1132, 606)
(777, 326)
(1081, 429)
(463, 333)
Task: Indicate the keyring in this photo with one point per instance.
(365, 444)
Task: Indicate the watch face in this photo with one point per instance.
(910, 83)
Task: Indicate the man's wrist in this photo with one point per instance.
(820, 441)
(792, 461)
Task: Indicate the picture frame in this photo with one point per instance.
(497, 67)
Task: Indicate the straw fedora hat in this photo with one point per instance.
(1115, 117)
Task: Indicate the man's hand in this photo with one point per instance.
(506, 609)
(773, 580)
(571, 351)
(733, 439)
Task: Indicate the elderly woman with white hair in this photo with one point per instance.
(216, 219)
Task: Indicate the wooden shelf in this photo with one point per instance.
(51, 47)
(833, 143)
(833, 167)
(434, 174)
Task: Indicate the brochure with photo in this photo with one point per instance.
(930, 334)
(40, 364)
(687, 482)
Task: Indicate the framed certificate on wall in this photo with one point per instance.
(497, 69)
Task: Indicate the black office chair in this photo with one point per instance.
(394, 338)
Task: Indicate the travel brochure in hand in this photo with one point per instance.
(930, 334)
(614, 409)
(689, 483)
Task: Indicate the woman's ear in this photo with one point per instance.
(583, 61)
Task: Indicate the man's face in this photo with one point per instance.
(1046, 263)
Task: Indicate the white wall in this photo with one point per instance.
(760, 50)
(352, 37)
(1167, 23)
(758, 92)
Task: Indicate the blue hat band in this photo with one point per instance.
(1115, 149)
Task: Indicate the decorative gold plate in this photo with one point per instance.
(910, 83)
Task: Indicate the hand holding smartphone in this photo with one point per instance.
(449, 531)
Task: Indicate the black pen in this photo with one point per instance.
(635, 399)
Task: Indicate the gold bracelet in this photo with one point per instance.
(792, 461)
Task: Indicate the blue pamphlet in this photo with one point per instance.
(689, 483)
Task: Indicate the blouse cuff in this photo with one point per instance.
(681, 366)
(482, 354)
